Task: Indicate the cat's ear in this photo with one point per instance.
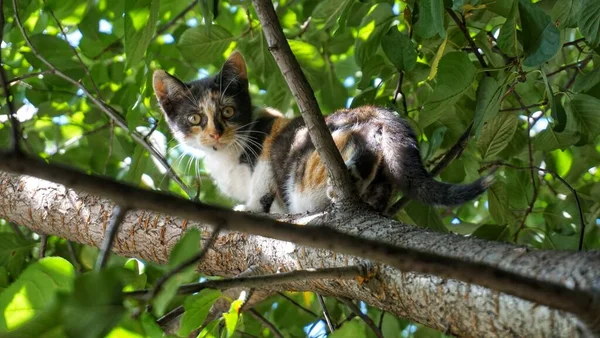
(234, 68)
(167, 88)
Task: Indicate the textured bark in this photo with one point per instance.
(460, 308)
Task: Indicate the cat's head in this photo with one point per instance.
(211, 113)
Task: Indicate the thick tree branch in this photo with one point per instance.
(50, 208)
(553, 294)
(305, 98)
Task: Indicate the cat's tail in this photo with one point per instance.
(402, 161)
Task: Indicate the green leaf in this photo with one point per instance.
(583, 116)
(496, 135)
(565, 12)
(589, 24)
(372, 28)
(425, 216)
(489, 97)
(371, 68)
(587, 81)
(498, 203)
(455, 75)
(558, 111)
(96, 304)
(13, 251)
(399, 49)
(140, 22)
(541, 39)
(507, 40)
(47, 323)
(196, 309)
(54, 49)
(431, 19)
(34, 290)
(327, 13)
(333, 93)
(490, 232)
(232, 317)
(201, 46)
(352, 329)
(69, 12)
(548, 140)
(187, 247)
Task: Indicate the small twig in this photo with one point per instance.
(258, 282)
(109, 235)
(26, 76)
(325, 313)
(73, 256)
(399, 91)
(574, 42)
(174, 20)
(43, 245)
(577, 71)
(170, 316)
(108, 110)
(578, 65)
(347, 319)
(566, 184)
(194, 260)
(453, 153)
(380, 325)
(543, 103)
(461, 25)
(309, 311)
(14, 121)
(341, 183)
(370, 323)
(266, 323)
(85, 67)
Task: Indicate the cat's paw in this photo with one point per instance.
(241, 207)
(330, 191)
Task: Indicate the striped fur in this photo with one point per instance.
(269, 163)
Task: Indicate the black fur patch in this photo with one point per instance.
(257, 133)
(266, 201)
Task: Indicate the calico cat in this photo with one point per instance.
(268, 162)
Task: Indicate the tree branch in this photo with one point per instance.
(305, 98)
(118, 215)
(41, 206)
(263, 281)
(552, 293)
(14, 122)
(171, 22)
(325, 313)
(108, 110)
(266, 323)
(463, 27)
(370, 323)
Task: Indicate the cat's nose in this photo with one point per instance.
(215, 136)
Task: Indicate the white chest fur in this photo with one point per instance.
(232, 178)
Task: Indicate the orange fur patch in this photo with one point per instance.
(315, 173)
(278, 125)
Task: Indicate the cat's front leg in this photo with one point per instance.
(262, 188)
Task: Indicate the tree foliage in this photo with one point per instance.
(520, 78)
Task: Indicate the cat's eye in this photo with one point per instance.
(194, 118)
(228, 112)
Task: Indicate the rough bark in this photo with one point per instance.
(449, 305)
